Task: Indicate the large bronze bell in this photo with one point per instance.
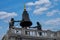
(25, 19)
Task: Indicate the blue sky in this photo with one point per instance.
(47, 12)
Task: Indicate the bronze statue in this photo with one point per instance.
(11, 23)
(38, 26)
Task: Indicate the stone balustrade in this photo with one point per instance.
(35, 33)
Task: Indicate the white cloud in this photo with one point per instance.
(30, 4)
(4, 15)
(39, 2)
(53, 22)
(43, 5)
(53, 12)
(28, 9)
(40, 10)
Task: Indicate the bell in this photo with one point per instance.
(25, 19)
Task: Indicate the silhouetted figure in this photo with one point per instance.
(39, 28)
(11, 23)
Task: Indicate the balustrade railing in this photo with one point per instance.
(34, 33)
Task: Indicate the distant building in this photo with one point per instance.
(29, 34)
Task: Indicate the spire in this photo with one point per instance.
(24, 7)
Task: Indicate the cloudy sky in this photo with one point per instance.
(47, 12)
